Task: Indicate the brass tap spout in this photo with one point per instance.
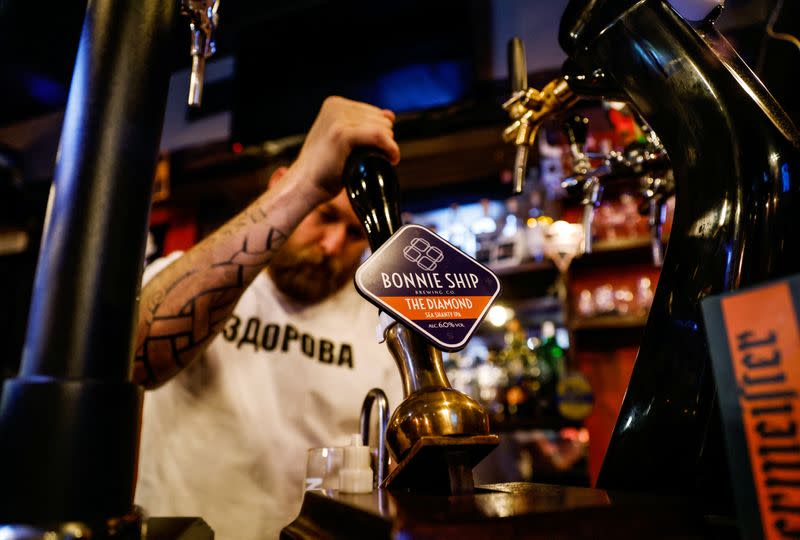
(528, 108)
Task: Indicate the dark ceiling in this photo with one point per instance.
(39, 40)
(39, 43)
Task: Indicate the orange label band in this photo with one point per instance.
(762, 335)
(438, 307)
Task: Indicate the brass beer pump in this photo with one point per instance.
(437, 434)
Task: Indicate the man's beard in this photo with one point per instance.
(308, 275)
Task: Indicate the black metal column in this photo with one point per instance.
(69, 424)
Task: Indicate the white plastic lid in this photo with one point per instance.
(356, 473)
(356, 456)
(695, 10)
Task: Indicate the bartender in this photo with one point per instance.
(256, 344)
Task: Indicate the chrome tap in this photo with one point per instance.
(656, 190)
(584, 176)
(576, 128)
(203, 21)
(592, 195)
(651, 162)
(647, 161)
(377, 397)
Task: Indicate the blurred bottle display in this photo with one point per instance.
(629, 295)
(523, 393)
(512, 242)
(550, 354)
(457, 233)
(533, 369)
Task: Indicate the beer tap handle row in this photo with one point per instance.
(528, 109)
(647, 161)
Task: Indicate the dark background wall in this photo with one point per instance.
(441, 63)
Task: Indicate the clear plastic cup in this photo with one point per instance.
(322, 468)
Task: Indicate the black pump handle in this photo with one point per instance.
(374, 192)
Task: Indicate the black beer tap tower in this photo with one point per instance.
(735, 157)
(736, 161)
(69, 421)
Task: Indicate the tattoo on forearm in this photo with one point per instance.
(191, 309)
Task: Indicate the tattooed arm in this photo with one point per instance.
(186, 305)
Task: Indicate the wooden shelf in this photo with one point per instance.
(609, 322)
(528, 280)
(618, 252)
(526, 267)
(620, 244)
(606, 332)
(550, 422)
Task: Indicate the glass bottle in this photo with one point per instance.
(551, 357)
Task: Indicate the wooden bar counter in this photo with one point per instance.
(508, 510)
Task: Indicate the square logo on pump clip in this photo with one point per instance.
(428, 284)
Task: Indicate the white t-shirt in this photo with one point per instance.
(227, 439)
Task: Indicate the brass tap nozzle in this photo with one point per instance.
(529, 108)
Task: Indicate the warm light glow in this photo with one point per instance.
(560, 227)
(544, 220)
(499, 315)
(531, 223)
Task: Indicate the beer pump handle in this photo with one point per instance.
(436, 434)
(518, 76)
(517, 66)
(374, 193)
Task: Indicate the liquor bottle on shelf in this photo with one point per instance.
(512, 244)
(552, 359)
(457, 233)
(524, 398)
(485, 231)
(536, 226)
